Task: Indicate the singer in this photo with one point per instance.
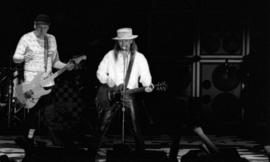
(124, 68)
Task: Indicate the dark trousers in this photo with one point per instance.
(35, 115)
(131, 116)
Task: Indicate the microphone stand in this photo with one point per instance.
(123, 115)
(123, 100)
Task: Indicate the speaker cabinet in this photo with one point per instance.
(220, 90)
(222, 35)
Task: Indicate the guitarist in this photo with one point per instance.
(113, 71)
(37, 50)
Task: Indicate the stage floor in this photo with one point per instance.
(249, 149)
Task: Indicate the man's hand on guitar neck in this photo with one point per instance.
(70, 65)
(73, 63)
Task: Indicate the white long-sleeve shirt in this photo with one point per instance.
(29, 44)
(116, 69)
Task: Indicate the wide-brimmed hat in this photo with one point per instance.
(125, 33)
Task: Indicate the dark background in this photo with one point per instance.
(168, 32)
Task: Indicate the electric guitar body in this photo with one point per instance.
(28, 94)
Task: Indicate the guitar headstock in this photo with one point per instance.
(162, 86)
(78, 59)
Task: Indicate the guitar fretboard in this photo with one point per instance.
(59, 72)
(136, 90)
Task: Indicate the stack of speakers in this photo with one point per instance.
(222, 44)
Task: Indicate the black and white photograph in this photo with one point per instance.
(135, 81)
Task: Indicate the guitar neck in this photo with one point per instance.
(142, 89)
(136, 90)
(59, 72)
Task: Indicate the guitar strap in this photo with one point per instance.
(129, 69)
(46, 49)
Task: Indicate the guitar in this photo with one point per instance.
(106, 95)
(28, 94)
